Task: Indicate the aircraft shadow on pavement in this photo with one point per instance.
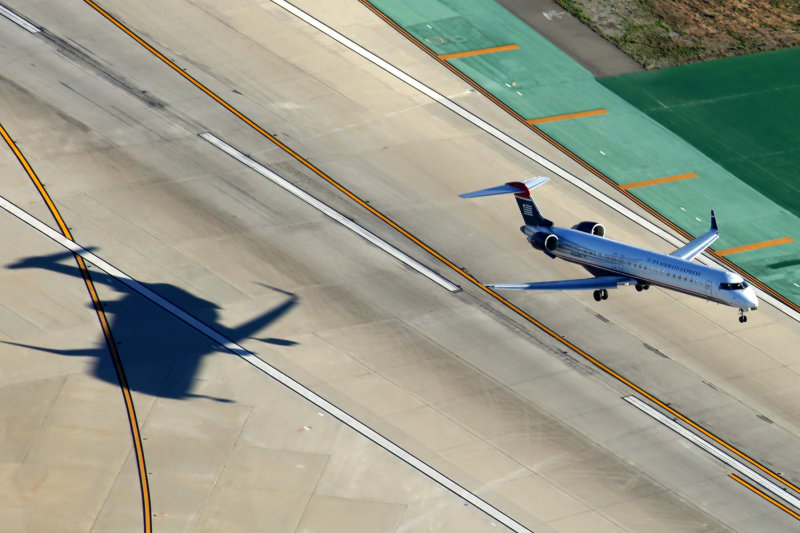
(160, 353)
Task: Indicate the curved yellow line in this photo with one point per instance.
(101, 316)
(427, 248)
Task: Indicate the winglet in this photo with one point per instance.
(696, 247)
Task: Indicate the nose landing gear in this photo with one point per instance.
(600, 294)
(742, 316)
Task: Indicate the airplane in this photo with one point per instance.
(614, 263)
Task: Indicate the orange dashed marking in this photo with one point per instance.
(567, 116)
(658, 181)
(481, 51)
(755, 246)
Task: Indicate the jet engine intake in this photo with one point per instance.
(546, 242)
(594, 228)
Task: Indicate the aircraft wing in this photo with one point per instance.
(601, 282)
(697, 246)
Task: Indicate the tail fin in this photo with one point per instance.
(522, 192)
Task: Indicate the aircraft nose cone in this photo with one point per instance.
(750, 297)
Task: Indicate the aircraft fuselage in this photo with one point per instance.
(601, 255)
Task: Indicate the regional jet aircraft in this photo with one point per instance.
(614, 263)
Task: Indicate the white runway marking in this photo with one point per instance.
(332, 213)
(266, 368)
(513, 143)
(776, 490)
(19, 21)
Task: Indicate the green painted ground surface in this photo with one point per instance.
(628, 145)
(741, 112)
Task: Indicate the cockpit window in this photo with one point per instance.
(733, 286)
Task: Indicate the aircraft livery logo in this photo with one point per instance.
(527, 209)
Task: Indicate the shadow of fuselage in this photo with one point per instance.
(160, 353)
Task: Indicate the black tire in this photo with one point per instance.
(597, 296)
(604, 294)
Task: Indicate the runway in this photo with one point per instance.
(460, 380)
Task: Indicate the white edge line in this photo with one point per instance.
(266, 368)
(332, 213)
(516, 145)
(774, 489)
(19, 21)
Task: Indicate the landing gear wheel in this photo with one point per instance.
(639, 287)
(598, 296)
(604, 294)
(646, 286)
(742, 319)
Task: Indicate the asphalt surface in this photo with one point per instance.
(460, 381)
(570, 35)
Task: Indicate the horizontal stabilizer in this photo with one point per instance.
(502, 189)
(601, 282)
(509, 188)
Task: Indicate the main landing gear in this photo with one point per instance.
(742, 316)
(600, 294)
(642, 286)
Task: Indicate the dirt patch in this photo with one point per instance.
(662, 33)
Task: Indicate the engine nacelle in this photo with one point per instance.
(546, 242)
(594, 228)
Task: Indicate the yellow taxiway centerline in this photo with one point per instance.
(110, 342)
(570, 154)
(663, 405)
(764, 495)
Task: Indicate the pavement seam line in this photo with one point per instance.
(720, 455)
(566, 151)
(666, 236)
(107, 333)
(511, 143)
(330, 212)
(561, 172)
(761, 493)
(250, 357)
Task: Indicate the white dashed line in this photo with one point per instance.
(329, 211)
(768, 485)
(266, 368)
(19, 21)
(515, 144)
